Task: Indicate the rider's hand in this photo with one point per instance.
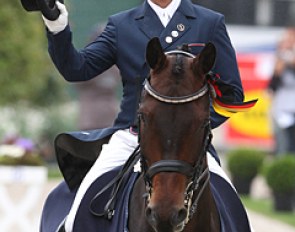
(60, 23)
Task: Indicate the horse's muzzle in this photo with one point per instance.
(174, 221)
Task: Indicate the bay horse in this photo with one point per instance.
(173, 192)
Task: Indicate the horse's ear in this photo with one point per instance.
(206, 59)
(155, 55)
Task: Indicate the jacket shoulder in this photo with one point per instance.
(126, 14)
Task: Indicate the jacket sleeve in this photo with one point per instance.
(226, 67)
(87, 63)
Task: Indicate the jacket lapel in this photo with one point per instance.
(179, 25)
(176, 28)
(149, 23)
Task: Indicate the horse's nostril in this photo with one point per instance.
(173, 219)
(148, 212)
(179, 217)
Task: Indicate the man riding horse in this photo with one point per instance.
(84, 156)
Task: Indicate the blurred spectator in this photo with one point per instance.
(282, 87)
(97, 97)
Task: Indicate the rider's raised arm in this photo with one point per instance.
(80, 65)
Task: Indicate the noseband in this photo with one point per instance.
(195, 173)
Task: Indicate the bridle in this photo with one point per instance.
(195, 173)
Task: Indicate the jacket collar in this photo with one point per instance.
(186, 7)
(151, 26)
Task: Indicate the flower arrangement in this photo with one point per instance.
(15, 150)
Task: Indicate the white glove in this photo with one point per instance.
(60, 23)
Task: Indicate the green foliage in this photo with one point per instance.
(280, 174)
(25, 67)
(245, 162)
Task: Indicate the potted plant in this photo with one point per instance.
(243, 165)
(280, 177)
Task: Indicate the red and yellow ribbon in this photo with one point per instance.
(223, 102)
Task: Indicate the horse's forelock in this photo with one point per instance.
(178, 66)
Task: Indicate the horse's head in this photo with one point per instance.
(174, 127)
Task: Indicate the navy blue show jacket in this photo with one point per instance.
(123, 43)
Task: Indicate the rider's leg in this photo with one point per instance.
(216, 168)
(113, 154)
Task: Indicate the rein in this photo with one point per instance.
(109, 209)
